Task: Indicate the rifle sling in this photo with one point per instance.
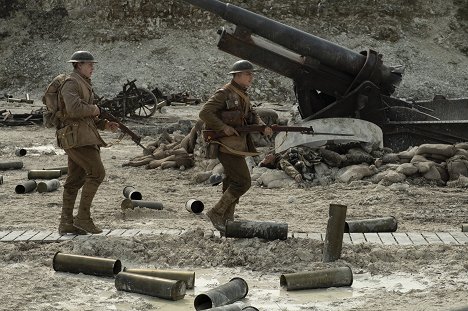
(236, 152)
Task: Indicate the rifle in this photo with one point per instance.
(210, 135)
(107, 115)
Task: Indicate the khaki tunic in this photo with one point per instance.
(225, 99)
(78, 97)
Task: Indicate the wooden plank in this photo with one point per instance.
(145, 232)
(67, 237)
(53, 237)
(357, 238)
(104, 232)
(461, 237)
(346, 238)
(446, 238)
(26, 236)
(3, 233)
(40, 236)
(387, 238)
(116, 232)
(402, 238)
(315, 236)
(417, 238)
(12, 235)
(130, 232)
(431, 238)
(372, 237)
(173, 231)
(300, 235)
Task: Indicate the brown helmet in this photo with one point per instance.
(241, 66)
(82, 57)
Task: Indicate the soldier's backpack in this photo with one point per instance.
(53, 101)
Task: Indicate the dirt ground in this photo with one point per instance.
(171, 45)
(433, 277)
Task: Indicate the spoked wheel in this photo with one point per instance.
(144, 105)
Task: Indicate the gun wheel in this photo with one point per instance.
(145, 104)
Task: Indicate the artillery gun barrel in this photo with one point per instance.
(301, 42)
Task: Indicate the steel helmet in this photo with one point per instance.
(241, 66)
(82, 57)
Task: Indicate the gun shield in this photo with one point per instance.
(26, 187)
(48, 185)
(86, 265)
(187, 277)
(131, 204)
(11, 165)
(44, 174)
(194, 206)
(130, 193)
(332, 277)
(254, 229)
(149, 285)
(464, 227)
(225, 294)
(384, 224)
(20, 152)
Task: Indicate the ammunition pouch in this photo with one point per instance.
(67, 136)
(232, 117)
(212, 150)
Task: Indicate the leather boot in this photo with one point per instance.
(217, 213)
(66, 219)
(229, 214)
(83, 219)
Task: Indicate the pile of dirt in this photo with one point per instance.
(172, 45)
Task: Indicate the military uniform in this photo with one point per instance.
(78, 136)
(281, 162)
(232, 149)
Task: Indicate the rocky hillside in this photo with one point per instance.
(172, 45)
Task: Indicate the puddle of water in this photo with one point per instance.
(398, 282)
(265, 292)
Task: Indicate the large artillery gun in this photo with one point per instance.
(332, 81)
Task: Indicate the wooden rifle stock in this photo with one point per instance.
(210, 135)
(107, 115)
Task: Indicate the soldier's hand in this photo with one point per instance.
(113, 126)
(268, 131)
(96, 111)
(230, 131)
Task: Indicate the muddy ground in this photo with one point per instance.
(433, 277)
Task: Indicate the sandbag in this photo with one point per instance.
(457, 166)
(390, 158)
(441, 149)
(407, 168)
(356, 172)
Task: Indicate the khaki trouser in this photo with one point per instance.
(237, 175)
(86, 171)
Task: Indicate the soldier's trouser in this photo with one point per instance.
(85, 170)
(236, 182)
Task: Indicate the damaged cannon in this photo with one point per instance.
(331, 81)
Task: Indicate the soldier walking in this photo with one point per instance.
(217, 113)
(78, 136)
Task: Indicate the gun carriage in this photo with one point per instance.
(333, 81)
